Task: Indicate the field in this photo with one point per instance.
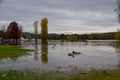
(56, 75)
(11, 51)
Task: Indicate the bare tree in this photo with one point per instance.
(2, 34)
(117, 34)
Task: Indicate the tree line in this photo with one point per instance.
(15, 31)
(75, 37)
(92, 36)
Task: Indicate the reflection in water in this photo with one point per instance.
(117, 46)
(99, 55)
(44, 52)
(36, 46)
(36, 53)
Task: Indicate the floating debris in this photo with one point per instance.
(73, 53)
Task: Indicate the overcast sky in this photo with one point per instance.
(64, 16)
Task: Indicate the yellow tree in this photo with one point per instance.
(44, 29)
(117, 35)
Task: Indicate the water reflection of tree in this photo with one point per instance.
(117, 46)
(118, 50)
(36, 53)
(44, 52)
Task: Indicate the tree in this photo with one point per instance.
(13, 33)
(35, 24)
(2, 34)
(44, 29)
(117, 35)
(62, 36)
(20, 30)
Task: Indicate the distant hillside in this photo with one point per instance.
(92, 36)
(98, 36)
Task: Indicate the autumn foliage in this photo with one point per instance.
(13, 32)
(44, 29)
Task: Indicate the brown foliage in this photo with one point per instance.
(13, 31)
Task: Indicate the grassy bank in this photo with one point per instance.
(52, 75)
(11, 51)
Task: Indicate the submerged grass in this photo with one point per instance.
(53, 75)
(11, 51)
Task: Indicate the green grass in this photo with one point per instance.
(96, 75)
(55, 75)
(11, 51)
(29, 75)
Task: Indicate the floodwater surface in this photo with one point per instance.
(54, 55)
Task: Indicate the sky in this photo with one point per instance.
(64, 16)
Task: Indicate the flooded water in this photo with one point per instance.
(54, 55)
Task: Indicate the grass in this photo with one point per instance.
(52, 75)
(28, 75)
(11, 51)
(97, 75)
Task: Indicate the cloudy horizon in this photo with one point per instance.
(64, 16)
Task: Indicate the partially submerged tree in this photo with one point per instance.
(13, 33)
(44, 29)
(35, 24)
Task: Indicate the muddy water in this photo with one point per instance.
(54, 55)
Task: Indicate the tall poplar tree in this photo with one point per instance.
(44, 29)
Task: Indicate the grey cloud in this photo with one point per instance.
(61, 13)
(1, 2)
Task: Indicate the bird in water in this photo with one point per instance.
(76, 52)
(73, 53)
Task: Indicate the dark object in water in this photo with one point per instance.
(76, 52)
(71, 54)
